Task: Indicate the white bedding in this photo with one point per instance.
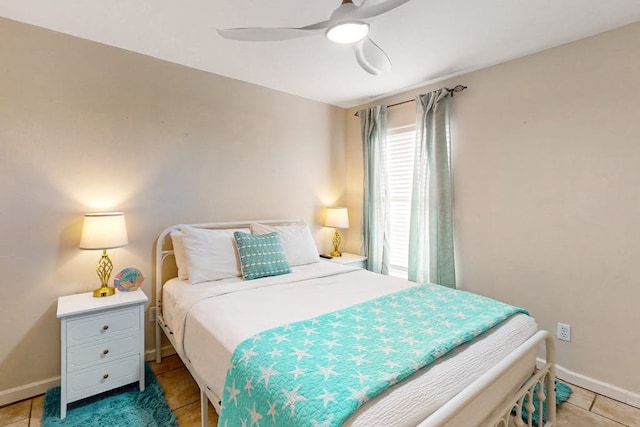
(210, 319)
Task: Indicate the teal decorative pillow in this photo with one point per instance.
(261, 255)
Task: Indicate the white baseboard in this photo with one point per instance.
(167, 350)
(27, 391)
(596, 386)
(633, 399)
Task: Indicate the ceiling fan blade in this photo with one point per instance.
(370, 2)
(258, 34)
(372, 58)
(369, 9)
(269, 34)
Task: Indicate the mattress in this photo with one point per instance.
(210, 319)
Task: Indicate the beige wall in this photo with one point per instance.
(545, 148)
(546, 154)
(86, 127)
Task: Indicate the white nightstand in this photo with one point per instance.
(102, 344)
(350, 260)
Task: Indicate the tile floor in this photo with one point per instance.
(584, 409)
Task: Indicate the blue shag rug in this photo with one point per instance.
(124, 406)
(563, 391)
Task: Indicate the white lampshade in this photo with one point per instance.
(106, 230)
(337, 217)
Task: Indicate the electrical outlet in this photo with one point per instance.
(152, 314)
(564, 332)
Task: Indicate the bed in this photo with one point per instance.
(207, 315)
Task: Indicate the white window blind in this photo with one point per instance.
(400, 156)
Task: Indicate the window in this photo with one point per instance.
(400, 154)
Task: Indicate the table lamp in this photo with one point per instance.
(104, 231)
(338, 218)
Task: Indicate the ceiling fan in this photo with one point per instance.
(346, 25)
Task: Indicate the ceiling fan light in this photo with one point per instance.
(348, 32)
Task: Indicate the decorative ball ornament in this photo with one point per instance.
(128, 280)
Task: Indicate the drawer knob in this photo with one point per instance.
(105, 327)
(105, 376)
(105, 351)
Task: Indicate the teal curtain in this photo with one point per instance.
(431, 256)
(375, 221)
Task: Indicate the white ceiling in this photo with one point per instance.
(427, 40)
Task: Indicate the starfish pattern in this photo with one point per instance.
(267, 373)
(391, 377)
(391, 364)
(279, 338)
(359, 395)
(292, 397)
(329, 365)
(409, 340)
(308, 331)
(325, 423)
(362, 377)
(272, 410)
(255, 416)
(326, 372)
(359, 336)
(275, 352)
(387, 349)
(331, 357)
(327, 397)
(359, 359)
(247, 354)
(296, 372)
(248, 385)
(331, 343)
(233, 393)
(337, 324)
(300, 353)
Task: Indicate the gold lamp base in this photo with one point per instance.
(337, 239)
(104, 268)
(104, 291)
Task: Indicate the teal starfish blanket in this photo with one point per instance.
(317, 372)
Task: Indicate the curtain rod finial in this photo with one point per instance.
(458, 88)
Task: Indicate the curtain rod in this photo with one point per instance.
(452, 91)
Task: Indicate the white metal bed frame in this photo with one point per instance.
(459, 411)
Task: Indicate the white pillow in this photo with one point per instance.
(180, 254)
(297, 240)
(211, 254)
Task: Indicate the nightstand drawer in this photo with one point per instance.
(115, 322)
(85, 355)
(103, 377)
